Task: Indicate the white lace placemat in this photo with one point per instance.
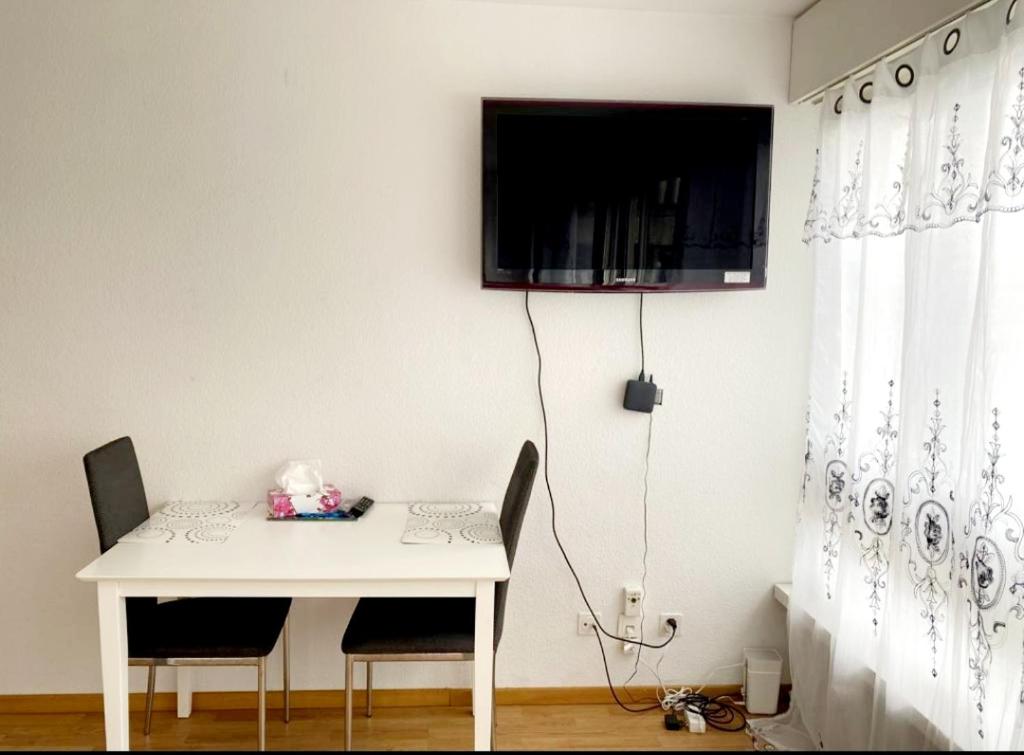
(193, 522)
(452, 524)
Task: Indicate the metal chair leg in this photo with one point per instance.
(287, 673)
(261, 692)
(150, 689)
(349, 663)
(369, 689)
(494, 704)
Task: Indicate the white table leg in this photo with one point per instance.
(114, 663)
(483, 664)
(184, 678)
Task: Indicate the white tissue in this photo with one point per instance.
(301, 477)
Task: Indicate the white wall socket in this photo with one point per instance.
(629, 627)
(585, 622)
(632, 599)
(663, 626)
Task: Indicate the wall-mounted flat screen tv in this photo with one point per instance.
(625, 196)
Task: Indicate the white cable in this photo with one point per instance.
(672, 697)
(711, 673)
(654, 670)
(643, 578)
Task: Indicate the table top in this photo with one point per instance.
(368, 549)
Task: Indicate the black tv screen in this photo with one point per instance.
(614, 196)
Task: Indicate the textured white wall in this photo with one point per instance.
(242, 232)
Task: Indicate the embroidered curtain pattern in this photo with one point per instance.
(907, 613)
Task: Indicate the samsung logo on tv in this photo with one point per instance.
(625, 280)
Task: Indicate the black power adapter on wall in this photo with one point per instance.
(641, 395)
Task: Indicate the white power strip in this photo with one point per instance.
(695, 722)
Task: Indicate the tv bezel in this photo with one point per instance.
(491, 107)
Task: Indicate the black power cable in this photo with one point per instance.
(611, 687)
(647, 469)
(642, 365)
(551, 498)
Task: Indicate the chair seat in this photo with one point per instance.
(205, 627)
(386, 626)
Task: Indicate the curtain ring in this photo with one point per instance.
(838, 107)
(1010, 12)
(952, 40)
(904, 76)
(867, 92)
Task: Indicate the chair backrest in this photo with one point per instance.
(513, 511)
(115, 487)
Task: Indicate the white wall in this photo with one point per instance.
(835, 38)
(242, 232)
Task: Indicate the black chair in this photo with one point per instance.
(433, 629)
(189, 631)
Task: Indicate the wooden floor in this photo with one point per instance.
(520, 727)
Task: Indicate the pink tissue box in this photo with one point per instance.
(282, 505)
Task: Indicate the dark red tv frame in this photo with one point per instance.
(492, 106)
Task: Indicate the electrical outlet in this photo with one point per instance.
(632, 599)
(629, 627)
(665, 629)
(585, 622)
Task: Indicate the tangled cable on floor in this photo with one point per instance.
(718, 712)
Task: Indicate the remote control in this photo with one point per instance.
(361, 507)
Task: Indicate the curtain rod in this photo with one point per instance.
(901, 47)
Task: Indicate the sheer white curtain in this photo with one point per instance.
(907, 612)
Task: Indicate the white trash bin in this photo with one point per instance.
(762, 676)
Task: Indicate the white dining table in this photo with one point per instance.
(298, 559)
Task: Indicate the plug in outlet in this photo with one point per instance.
(585, 622)
(664, 627)
(632, 598)
(629, 628)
